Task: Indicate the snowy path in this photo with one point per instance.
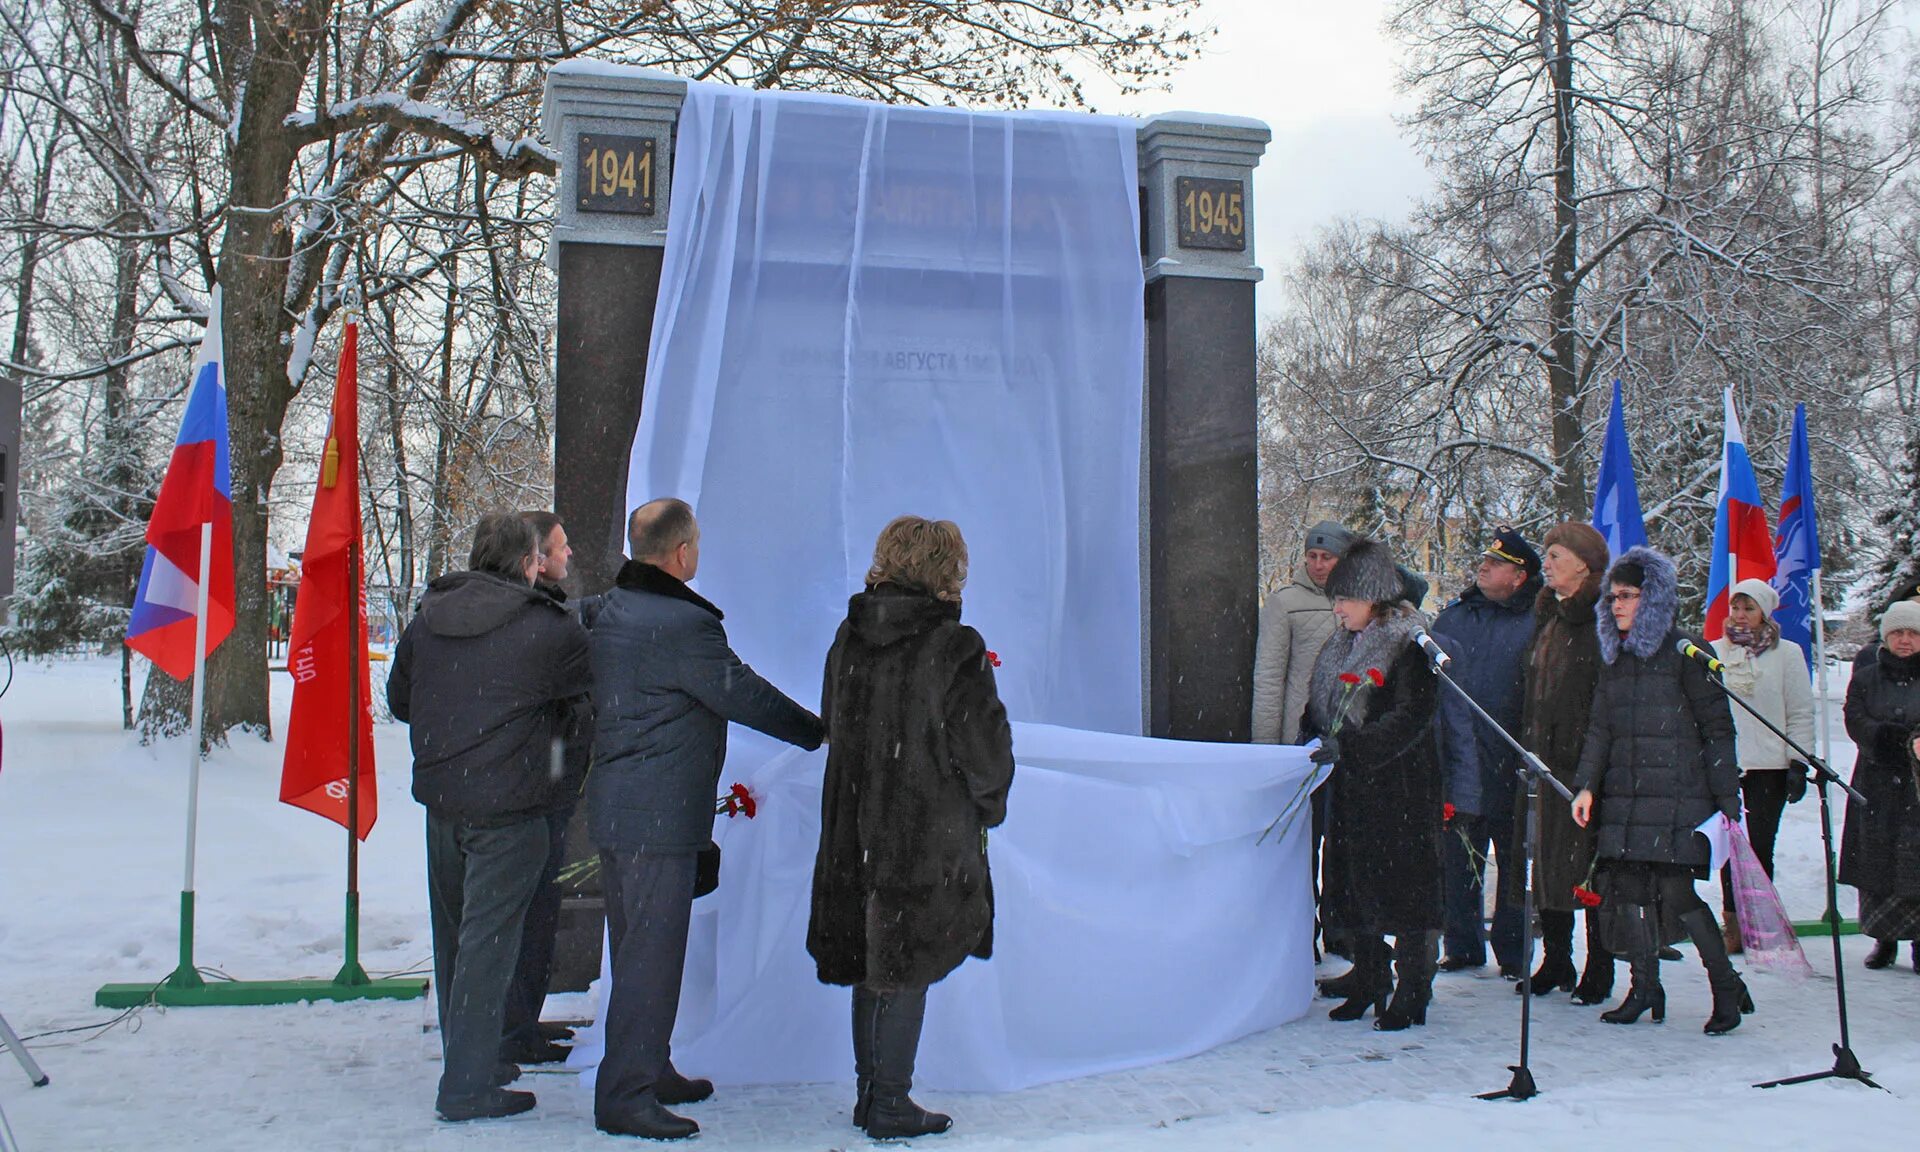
(90, 856)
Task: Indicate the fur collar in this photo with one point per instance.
(640, 576)
(1659, 602)
(1575, 609)
(1376, 646)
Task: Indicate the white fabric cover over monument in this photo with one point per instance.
(866, 311)
(1137, 921)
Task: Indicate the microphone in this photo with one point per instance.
(1693, 651)
(1435, 653)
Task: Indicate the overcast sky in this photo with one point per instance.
(1322, 76)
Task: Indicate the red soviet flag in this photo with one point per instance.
(330, 604)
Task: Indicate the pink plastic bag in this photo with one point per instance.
(1765, 932)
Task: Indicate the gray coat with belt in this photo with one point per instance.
(665, 685)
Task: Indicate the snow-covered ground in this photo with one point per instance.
(90, 857)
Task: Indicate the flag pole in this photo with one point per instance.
(351, 973)
(187, 975)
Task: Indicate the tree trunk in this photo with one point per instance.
(253, 274)
(1570, 482)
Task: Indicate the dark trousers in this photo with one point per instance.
(1764, 794)
(479, 883)
(649, 904)
(528, 993)
(1463, 875)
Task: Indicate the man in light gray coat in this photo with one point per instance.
(1294, 623)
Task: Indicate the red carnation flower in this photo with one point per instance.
(749, 806)
(1378, 677)
(1588, 897)
(1349, 677)
(993, 658)
(1447, 812)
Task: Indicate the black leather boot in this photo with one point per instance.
(1372, 981)
(674, 1088)
(865, 1001)
(1555, 973)
(1730, 998)
(1413, 963)
(1596, 976)
(1884, 953)
(1643, 958)
(891, 1114)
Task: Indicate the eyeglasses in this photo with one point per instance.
(1625, 597)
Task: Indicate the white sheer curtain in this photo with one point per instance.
(867, 311)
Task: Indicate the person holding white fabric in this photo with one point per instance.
(1769, 673)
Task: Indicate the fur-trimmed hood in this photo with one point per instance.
(1659, 604)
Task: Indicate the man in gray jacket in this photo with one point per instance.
(665, 685)
(1294, 623)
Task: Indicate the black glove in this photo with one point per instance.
(1327, 753)
(1731, 810)
(1796, 781)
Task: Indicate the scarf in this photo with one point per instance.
(1758, 640)
(1375, 646)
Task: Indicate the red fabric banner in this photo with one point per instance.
(331, 603)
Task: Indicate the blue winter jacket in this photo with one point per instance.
(1488, 641)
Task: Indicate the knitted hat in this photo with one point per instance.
(1905, 614)
(1329, 537)
(1760, 592)
(1581, 540)
(1512, 547)
(1367, 572)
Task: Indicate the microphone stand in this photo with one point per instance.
(1531, 772)
(1846, 1066)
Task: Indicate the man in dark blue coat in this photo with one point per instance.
(665, 685)
(1487, 632)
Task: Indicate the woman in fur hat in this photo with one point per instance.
(1563, 665)
(1372, 704)
(1658, 761)
(1769, 673)
(1880, 852)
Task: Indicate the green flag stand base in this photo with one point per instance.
(186, 988)
(251, 993)
(1822, 928)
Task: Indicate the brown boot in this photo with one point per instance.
(1730, 931)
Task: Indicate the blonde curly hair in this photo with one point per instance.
(929, 555)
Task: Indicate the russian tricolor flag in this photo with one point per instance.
(1742, 542)
(197, 490)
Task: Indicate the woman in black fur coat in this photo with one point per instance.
(1381, 869)
(1658, 761)
(919, 760)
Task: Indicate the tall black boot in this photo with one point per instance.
(891, 1114)
(865, 1003)
(1555, 973)
(1372, 979)
(1413, 960)
(1596, 975)
(1643, 957)
(1730, 998)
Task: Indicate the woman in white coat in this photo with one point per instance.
(1771, 674)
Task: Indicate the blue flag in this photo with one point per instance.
(1796, 544)
(1616, 498)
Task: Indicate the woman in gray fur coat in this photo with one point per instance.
(1381, 871)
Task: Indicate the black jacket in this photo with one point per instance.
(918, 767)
(665, 684)
(1659, 755)
(1880, 851)
(488, 673)
(1380, 871)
